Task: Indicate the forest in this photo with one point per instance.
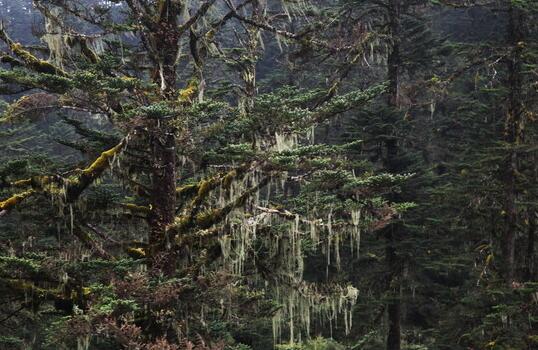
(269, 174)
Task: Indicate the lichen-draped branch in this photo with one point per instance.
(29, 288)
(208, 218)
(91, 173)
(30, 61)
(201, 189)
(301, 37)
(63, 301)
(201, 12)
(90, 243)
(73, 186)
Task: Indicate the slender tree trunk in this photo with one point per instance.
(513, 133)
(394, 59)
(394, 307)
(393, 263)
(531, 243)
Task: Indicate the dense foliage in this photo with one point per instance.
(262, 174)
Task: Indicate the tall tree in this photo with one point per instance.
(194, 171)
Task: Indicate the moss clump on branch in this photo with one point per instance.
(22, 183)
(228, 178)
(74, 186)
(14, 200)
(103, 161)
(208, 218)
(187, 190)
(35, 63)
(205, 186)
(136, 253)
(89, 174)
(186, 95)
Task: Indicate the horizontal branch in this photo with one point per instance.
(29, 60)
(73, 186)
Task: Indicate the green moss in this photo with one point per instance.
(187, 190)
(136, 253)
(208, 218)
(186, 95)
(14, 200)
(228, 178)
(35, 63)
(103, 161)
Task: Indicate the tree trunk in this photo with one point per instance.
(394, 306)
(531, 242)
(393, 265)
(163, 197)
(513, 133)
(164, 50)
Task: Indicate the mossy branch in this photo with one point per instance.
(22, 183)
(62, 301)
(14, 200)
(208, 218)
(136, 209)
(90, 243)
(201, 237)
(73, 186)
(12, 61)
(91, 173)
(201, 190)
(30, 61)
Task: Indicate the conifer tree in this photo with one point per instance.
(188, 185)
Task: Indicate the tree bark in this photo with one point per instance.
(513, 134)
(164, 50)
(163, 197)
